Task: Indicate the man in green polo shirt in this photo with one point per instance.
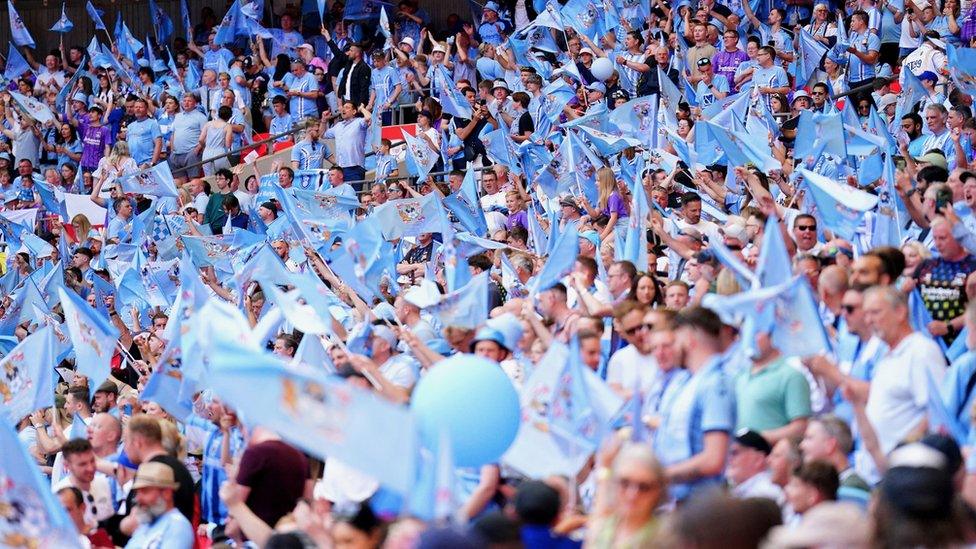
(772, 396)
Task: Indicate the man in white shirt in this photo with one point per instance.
(632, 366)
(898, 397)
(50, 77)
(80, 459)
(747, 470)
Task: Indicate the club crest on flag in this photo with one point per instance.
(88, 334)
(14, 381)
(308, 402)
(22, 512)
(411, 212)
(587, 16)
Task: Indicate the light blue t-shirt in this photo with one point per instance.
(141, 135)
(186, 130)
(384, 82)
(704, 93)
(212, 59)
(958, 402)
(309, 154)
(301, 106)
(857, 70)
(704, 403)
(170, 531)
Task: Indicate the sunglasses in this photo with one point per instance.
(639, 327)
(91, 503)
(806, 227)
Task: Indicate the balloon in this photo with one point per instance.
(602, 68)
(474, 401)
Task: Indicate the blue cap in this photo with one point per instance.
(928, 75)
(489, 334)
(80, 96)
(592, 236)
(597, 86)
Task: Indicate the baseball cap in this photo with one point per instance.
(270, 206)
(592, 236)
(917, 483)
(933, 158)
(489, 334)
(587, 51)
(509, 326)
(491, 6)
(537, 503)
(928, 75)
(306, 46)
(752, 439)
(597, 86)
(386, 334)
(80, 96)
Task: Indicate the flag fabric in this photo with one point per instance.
(912, 91)
(940, 419)
(185, 18)
(466, 307)
(410, 216)
(579, 402)
(92, 336)
(585, 17)
(16, 64)
(358, 10)
(433, 498)
(78, 428)
(95, 16)
(840, 207)
(810, 54)
(155, 181)
(420, 157)
(33, 516)
(773, 266)
(561, 260)
(920, 317)
(18, 31)
(466, 206)
(63, 24)
(161, 21)
(638, 118)
(28, 383)
(963, 64)
(34, 108)
(163, 388)
(231, 25)
(328, 419)
(635, 241)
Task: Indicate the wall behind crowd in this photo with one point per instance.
(39, 15)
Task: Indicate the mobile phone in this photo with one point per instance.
(127, 409)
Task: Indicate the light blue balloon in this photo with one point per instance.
(474, 401)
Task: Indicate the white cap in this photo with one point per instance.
(438, 48)
(586, 50)
(407, 40)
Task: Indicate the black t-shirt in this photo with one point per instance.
(185, 495)
(525, 124)
(276, 474)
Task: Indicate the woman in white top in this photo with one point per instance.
(113, 167)
(835, 76)
(822, 29)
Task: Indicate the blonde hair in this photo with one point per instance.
(83, 224)
(172, 439)
(606, 184)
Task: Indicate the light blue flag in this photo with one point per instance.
(538, 239)
(433, 498)
(78, 428)
(452, 100)
(63, 24)
(163, 388)
(92, 336)
(828, 127)
(963, 67)
(28, 385)
(809, 55)
(911, 93)
(19, 309)
(95, 16)
(358, 10)
(162, 23)
(219, 251)
(185, 18)
(774, 265)
(323, 416)
(420, 157)
(743, 275)
(920, 317)
(363, 259)
(638, 118)
(561, 260)
(327, 203)
(586, 17)
(958, 347)
(560, 416)
(635, 243)
(595, 116)
(608, 144)
(231, 25)
(11, 231)
(466, 307)
(840, 206)
(501, 149)
(33, 515)
(33, 108)
(62, 98)
(941, 421)
(263, 263)
(466, 206)
(410, 217)
(741, 148)
(156, 181)
(254, 28)
(16, 64)
(18, 31)
(383, 28)
(581, 167)
(303, 317)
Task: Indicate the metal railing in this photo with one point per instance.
(301, 126)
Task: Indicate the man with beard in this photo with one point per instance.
(160, 523)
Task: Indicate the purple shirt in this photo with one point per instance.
(616, 205)
(93, 139)
(517, 218)
(725, 63)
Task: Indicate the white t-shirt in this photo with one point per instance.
(98, 499)
(399, 370)
(898, 397)
(628, 367)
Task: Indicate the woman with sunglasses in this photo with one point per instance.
(630, 486)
